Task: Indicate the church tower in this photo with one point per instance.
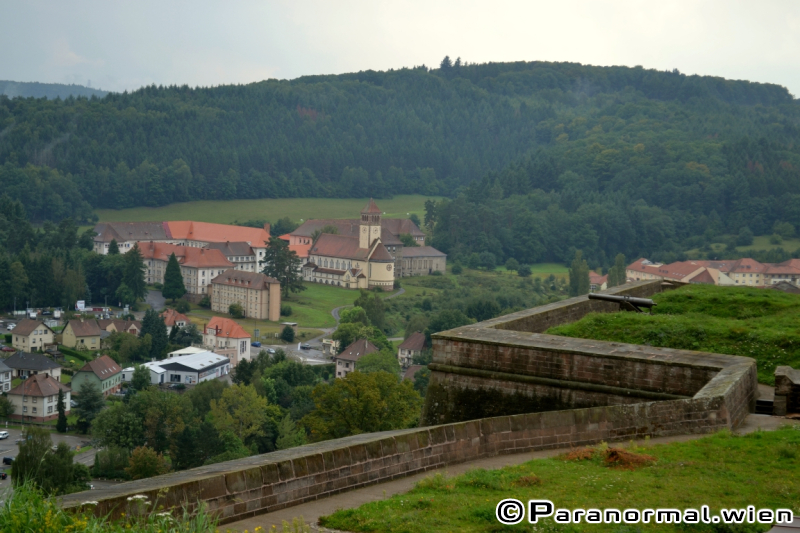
(370, 225)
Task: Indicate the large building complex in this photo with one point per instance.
(198, 265)
(182, 233)
(408, 261)
(364, 254)
(258, 294)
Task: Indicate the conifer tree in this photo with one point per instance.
(283, 264)
(133, 275)
(578, 275)
(61, 424)
(153, 325)
(113, 247)
(173, 280)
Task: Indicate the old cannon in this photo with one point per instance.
(626, 303)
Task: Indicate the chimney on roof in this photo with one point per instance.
(267, 227)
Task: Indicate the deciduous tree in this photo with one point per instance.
(283, 264)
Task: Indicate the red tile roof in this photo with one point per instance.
(238, 278)
(390, 228)
(371, 207)
(357, 350)
(39, 385)
(416, 341)
(171, 317)
(597, 279)
(209, 232)
(300, 249)
(187, 256)
(410, 371)
(330, 245)
(103, 367)
(225, 327)
(381, 254)
(422, 251)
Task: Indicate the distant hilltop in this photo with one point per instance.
(46, 90)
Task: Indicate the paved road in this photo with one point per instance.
(10, 448)
(347, 500)
(156, 301)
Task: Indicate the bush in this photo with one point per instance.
(236, 310)
(436, 273)
(205, 302)
(745, 237)
(286, 310)
(776, 239)
(8, 338)
(457, 269)
(183, 306)
(397, 284)
(158, 286)
(524, 271)
(288, 334)
(512, 264)
(83, 356)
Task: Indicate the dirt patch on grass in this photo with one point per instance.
(617, 458)
(528, 481)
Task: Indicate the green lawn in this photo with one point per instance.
(759, 243)
(721, 471)
(266, 328)
(758, 323)
(227, 211)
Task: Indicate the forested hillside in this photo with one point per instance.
(549, 156)
(26, 89)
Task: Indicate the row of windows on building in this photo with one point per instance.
(34, 410)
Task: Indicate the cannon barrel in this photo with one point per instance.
(638, 302)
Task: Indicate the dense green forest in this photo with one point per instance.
(539, 158)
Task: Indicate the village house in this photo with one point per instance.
(745, 272)
(103, 372)
(410, 371)
(353, 262)
(198, 265)
(173, 319)
(226, 336)
(30, 335)
(82, 334)
(24, 364)
(410, 348)
(183, 233)
(36, 399)
(258, 294)
(345, 362)
(115, 325)
(597, 282)
(6, 374)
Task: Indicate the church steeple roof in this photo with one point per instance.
(371, 208)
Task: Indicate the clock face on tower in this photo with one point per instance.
(389, 267)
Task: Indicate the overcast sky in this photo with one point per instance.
(124, 45)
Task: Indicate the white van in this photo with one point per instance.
(3, 434)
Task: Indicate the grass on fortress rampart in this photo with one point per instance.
(722, 471)
(271, 209)
(760, 323)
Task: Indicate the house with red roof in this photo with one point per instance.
(346, 360)
(597, 282)
(173, 319)
(412, 346)
(226, 336)
(36, 398)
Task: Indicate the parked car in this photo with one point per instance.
(73, 403)
(8, 460)
(3, 434)
(47, 313)
(306, 347)
(7, 349)
(270, 351)
(10, 327)
(3, 475)
(256, 344)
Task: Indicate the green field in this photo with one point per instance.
(759, 243)
(271, 209)
(721, 471)
(758, 323)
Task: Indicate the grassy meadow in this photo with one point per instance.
(759, 243)
(271, 209)
(721, 471)
(758, 323)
